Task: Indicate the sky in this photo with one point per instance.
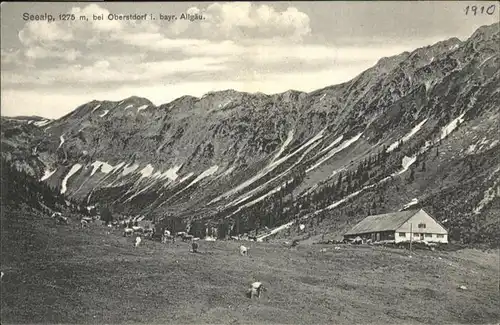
(50, 68)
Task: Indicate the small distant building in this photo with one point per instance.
(396, 226)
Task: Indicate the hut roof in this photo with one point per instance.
(382, 222)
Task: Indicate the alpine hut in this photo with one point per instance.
(399, 227)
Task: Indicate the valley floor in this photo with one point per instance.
(64, 274)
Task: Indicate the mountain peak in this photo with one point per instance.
(388, 63)
(137, 100)
(485, 39)
(486, 32)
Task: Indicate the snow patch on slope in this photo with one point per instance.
(485, 60)
(411, 203)
(285, 144)
(182, 180)
(206, 173)
(129, 169)
(117, 167)
(228, 171)
(428, 84)
(105, 167)
(471, 149)
(450, 127)
(172, 173)
(62, 141)
(334, 143)
(407, 136)
(142, 107)
(275, 230)
(105, 113)
(488, 196)
(47, 174)
(334, 151)
(73, 170)
(96, 107)
(223, 105)
(407, 162)
(147, 171)
(42, 123)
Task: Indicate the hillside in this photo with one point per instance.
(19, 190)
(65, 274)
(419, 127)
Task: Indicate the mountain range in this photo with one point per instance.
(419, 129)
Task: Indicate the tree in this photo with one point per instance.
(197, 229)
(237, 225)
(411, 178)
(423, 168)
(364, 177)
(106, 215)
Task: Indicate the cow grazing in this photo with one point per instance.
(167, 236)
(255, 290)
(128, 232)
(87, 219)
(1, 277)
(138, 229)
(84, 223)
(194, 246)
(56, 214)
(181, 234)
(148, 232)
(61, 220)
(137, 241)
(243, 250)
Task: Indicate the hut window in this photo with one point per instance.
(421, 225)
(440, 236)
(416, 234)
(428, 235)
(402, 234)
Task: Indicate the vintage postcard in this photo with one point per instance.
(288, 162)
